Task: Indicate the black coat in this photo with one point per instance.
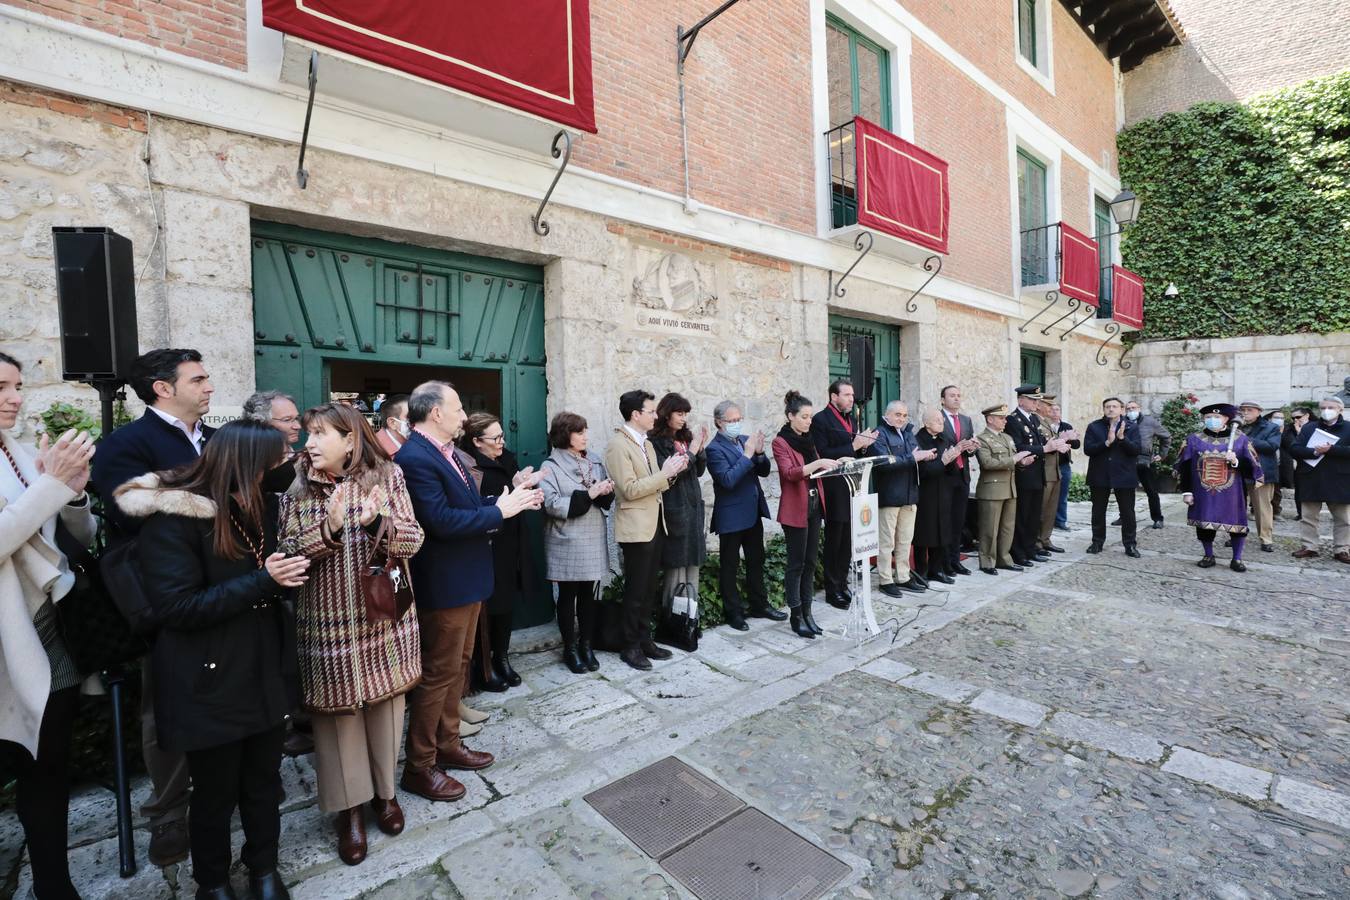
(1027, 436)
(686, 542)
(1115, 466)
(224, 656)
(149, 444)
(1287, 438)
(897, 483)
(508, 557)
(1067, 455)
(1329, 480)
(834, 441)
(933, 523)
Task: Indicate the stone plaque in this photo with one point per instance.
(1264, 377)
(674, 293)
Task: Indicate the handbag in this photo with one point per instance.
(96, 633)
(120, 567)
(679, 626)
(385, 584)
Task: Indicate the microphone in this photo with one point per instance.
(854, 466)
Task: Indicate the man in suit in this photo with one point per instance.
(1154, 441)
(1057, 441)
(452, 576)
(958, 428)
(737, 462)
(639, 520)
(897, 488)
(996, 491)
(1065, 465)
(176, 391)
(1112, 447)
(836, 435)
(1024, 427)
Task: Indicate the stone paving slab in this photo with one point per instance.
(1014, 709)
(1310, 800)
(1268, 704)
(1219, 773)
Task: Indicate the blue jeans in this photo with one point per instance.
(1062, 514)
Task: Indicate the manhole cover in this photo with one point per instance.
(749, 857)
(663, 806)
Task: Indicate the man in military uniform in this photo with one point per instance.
(1055, 445)
(1024, 427)
(996, 491)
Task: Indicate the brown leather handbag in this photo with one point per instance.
(385, 583)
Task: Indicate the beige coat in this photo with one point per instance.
(638, 485)
(996, 454)
(1050, 460)
(30, 566)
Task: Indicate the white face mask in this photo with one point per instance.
(1132, 415)
(1330, 414)
(1278, 420)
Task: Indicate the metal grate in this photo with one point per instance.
(664, 806)
(749, 857)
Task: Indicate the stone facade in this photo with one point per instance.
(1319, 365)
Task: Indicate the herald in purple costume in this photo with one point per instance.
(1219, 490)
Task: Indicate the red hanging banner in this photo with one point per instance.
(902, 189)
(1127, 297)
(1078, 265)
(532, 55)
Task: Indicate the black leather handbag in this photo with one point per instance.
(96, 633)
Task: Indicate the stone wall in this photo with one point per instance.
(1205, 367)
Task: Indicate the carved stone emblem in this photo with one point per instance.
(678, 284)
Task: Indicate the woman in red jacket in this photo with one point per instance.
(800, 508)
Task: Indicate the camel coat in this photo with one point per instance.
(638, 485)
(30, 568)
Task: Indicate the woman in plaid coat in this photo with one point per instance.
(353, 672)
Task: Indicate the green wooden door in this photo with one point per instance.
(329, 307)
(886, 343)
(1033, 368)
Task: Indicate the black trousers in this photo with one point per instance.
(576, 612)
(42, 795)
(960, 500)
(244, 774)
(837, 552)
(729, 546)
(1149, 482)
(1028, 528)
(1124, 502)
(641, 564)
(799, 579)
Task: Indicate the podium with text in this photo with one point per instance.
(866, 538)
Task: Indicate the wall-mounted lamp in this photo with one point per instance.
(1171, 290)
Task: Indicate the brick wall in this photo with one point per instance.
(1234, 50)
(213, 30)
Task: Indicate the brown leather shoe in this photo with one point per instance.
(431, 783)
(351, 832)
(1343, 556)
(1303, 553)
(463, 758)
(388, 815)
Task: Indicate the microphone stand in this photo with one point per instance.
(856, 474)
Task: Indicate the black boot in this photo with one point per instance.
(499, 633)
(586, 634)
(268, 886)
(224, 892)
(810, 620)
(798, 625)
(567, 627)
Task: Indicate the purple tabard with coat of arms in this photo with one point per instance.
(1218, 488)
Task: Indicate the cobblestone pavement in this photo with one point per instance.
(1097, 726)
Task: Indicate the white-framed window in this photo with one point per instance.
(1034, 164)
(1033, 40)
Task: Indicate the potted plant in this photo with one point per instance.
(1180, 417)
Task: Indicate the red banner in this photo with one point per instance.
(1079, 266)
(1127, 297)
(902, 190)
(532, 55)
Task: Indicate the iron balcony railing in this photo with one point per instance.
(1040, 255)
(840, 143)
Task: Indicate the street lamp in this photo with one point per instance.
(1125, 208)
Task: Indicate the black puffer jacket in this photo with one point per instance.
(224, 656)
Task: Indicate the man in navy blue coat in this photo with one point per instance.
(1112, 447)
(736, 463)
(835, 432)
(452, 576)
(176, 391)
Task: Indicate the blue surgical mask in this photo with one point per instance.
(1213, 423)
(1132, 415)
(732, 429)
(1278, 420)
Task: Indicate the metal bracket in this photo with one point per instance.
(931, 264)
(1053, 297)
(837, 287)
(301, 175)
(1092, 314)
(1074, 305)
(537, 220)
(1124, 353)
(1112, 329)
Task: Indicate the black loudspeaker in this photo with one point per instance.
(862, 367)
(96, 301)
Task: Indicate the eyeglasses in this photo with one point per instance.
(497, 439)
(289, 420)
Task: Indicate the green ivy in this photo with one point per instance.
(1246, 208)
(1078, 488)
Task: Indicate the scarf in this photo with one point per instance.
(802, 443)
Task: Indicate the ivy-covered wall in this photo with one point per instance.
(1246, 208)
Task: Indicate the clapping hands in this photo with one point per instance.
(601, 488)
(527, 477)
(68, 459)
